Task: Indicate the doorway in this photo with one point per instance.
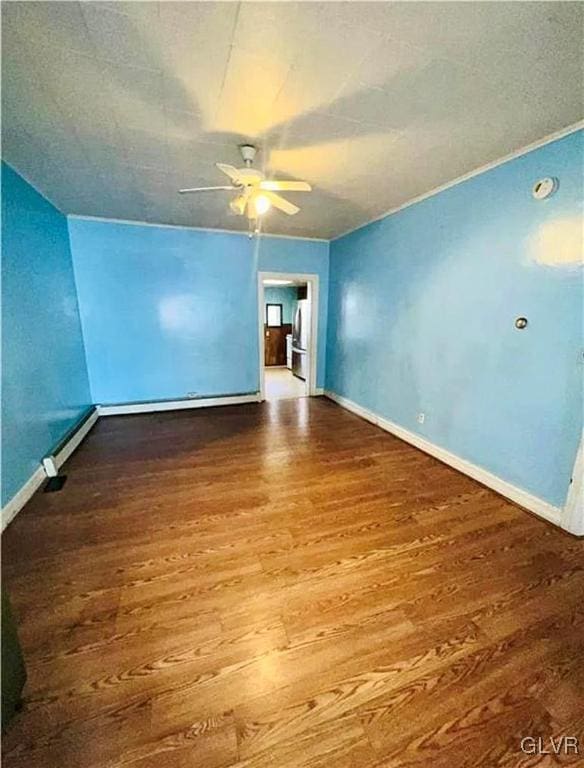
(287, 307)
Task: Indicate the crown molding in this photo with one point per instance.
(550, 138)
(240, 233)
(471, 174)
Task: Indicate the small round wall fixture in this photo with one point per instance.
(521, 323)
(544, 188)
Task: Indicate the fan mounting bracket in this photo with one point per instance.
(248, 152)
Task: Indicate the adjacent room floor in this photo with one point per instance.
(284, 584)
(281, 384)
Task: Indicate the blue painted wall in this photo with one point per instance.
(171, 311)
(422, 310)
(45, 388)
(165, 311)
(287, 297)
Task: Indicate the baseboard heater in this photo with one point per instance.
(50, 464)
(184, 403)
(54, 460)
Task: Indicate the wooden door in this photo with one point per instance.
(275, 344)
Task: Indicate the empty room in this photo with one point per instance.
(292, 384)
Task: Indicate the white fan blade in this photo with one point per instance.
(283, 205)
(229, 170)
(203, 189)
(286, 186)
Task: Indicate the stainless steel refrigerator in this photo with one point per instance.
(300, 339)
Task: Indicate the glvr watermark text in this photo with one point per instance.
(560, 745)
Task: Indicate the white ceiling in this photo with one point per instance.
(110, 107)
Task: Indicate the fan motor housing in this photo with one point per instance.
(248, 152)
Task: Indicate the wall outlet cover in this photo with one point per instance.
(421, 418)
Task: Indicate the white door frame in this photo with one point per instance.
(573, 511)
(311, 281)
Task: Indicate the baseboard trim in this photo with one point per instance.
(318, 392)
(76, 438)
(519, 496)
(34, 482)
(124, 409)
(21, 497)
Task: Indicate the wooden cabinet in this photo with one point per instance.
(275, 344)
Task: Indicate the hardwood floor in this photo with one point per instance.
(287, 585)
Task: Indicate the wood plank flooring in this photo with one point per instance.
(287, 585)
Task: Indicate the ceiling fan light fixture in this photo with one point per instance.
(262, 204)
(254, 194)
(238, 204)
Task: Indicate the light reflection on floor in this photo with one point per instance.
(281, 384)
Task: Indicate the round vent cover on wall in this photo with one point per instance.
(544, 188)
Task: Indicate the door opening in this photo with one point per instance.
(287, 333)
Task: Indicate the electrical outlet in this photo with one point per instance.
(192, 394)
(421, 418)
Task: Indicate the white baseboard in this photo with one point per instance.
(21, 497)
(318, 391)
(76, 439)
(518, 495)
(570, 518)
(175, 405)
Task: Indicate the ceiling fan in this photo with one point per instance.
(255, 195)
